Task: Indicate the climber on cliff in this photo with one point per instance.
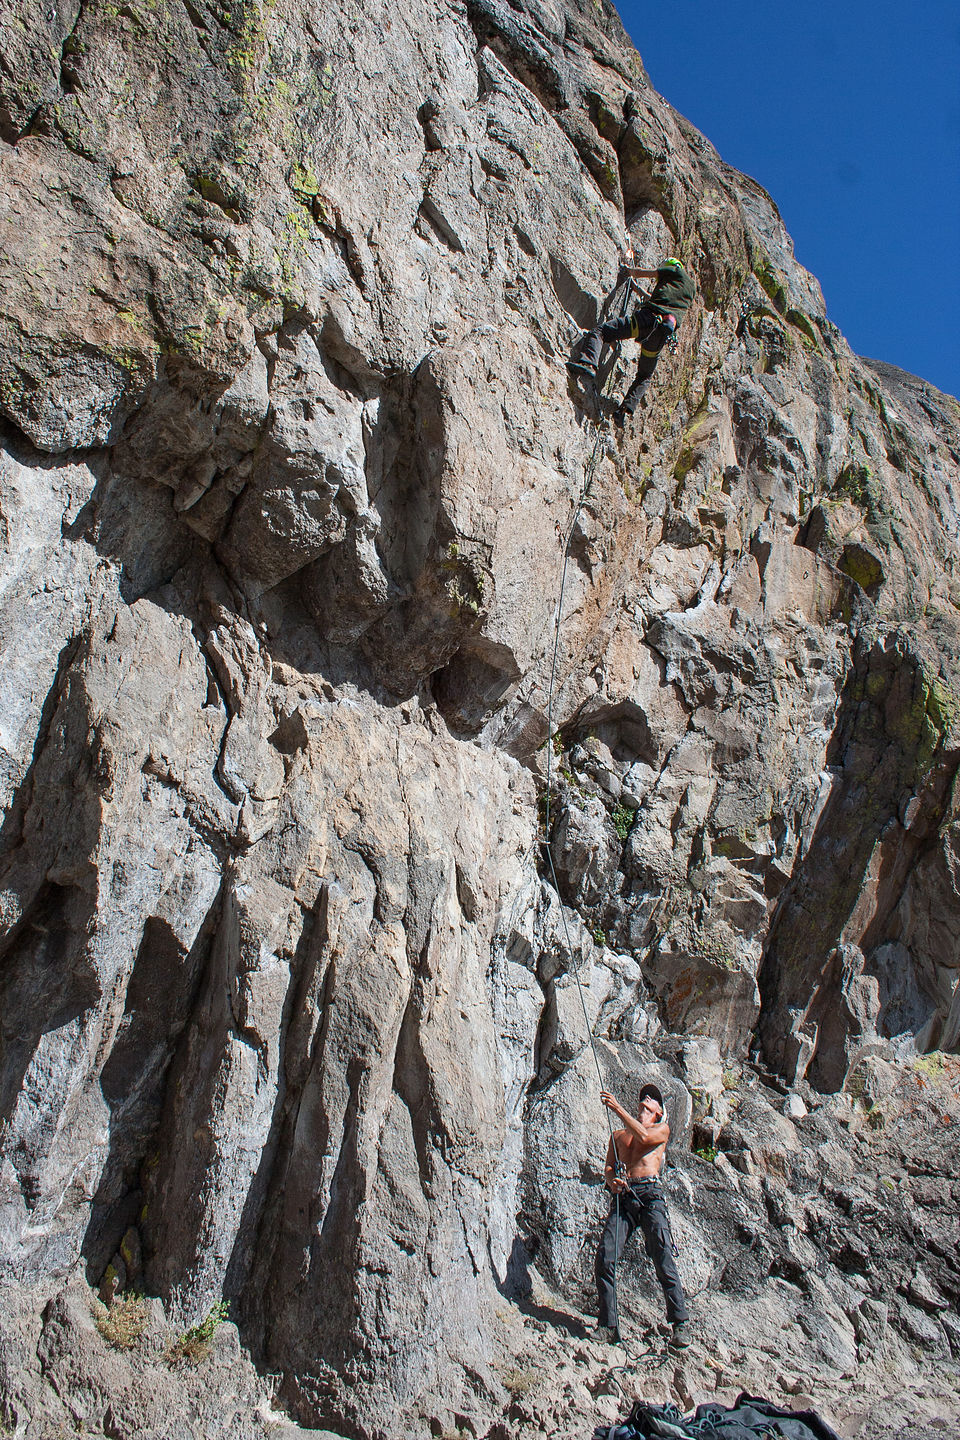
(631, 1171)
(653, 323)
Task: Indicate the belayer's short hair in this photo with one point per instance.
(651, 1092)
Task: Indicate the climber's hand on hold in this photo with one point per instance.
(613, 1104)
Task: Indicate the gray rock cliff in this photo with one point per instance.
(292, 1015)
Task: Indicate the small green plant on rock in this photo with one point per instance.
(124, 1322)
(465, 583)
(193, 1346)
(623, 820)
(707, 1152)
(519, 1383)
(715, 950)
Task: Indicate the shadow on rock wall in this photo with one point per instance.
(893, 765)
(161, 996)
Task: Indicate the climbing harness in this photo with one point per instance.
(662, 321)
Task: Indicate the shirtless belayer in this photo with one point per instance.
(631, 1171)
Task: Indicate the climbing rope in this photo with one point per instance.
(589, 474)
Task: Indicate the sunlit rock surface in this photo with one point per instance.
(290, 1008)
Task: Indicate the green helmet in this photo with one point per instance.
(672, 260)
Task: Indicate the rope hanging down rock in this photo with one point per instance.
(589, 473)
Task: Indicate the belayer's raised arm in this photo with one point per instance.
(657, 1133)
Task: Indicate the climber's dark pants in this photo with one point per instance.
(642, 1205)
(645, 325)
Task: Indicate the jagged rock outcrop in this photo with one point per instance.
(290, 1013)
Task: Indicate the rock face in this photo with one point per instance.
(291, 1014)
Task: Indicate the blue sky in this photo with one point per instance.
(849, 115)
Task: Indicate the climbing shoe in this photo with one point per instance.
(583, 367)
(680, 1335)
(631, 401)
(608, 1333)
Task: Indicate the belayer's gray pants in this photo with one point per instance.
(642, 1205)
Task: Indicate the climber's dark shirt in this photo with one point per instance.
(674, 291)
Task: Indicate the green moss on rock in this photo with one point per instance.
(862, 566)
(801, 322)
(772, 284)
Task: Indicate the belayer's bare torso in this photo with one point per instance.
(639, 1147)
